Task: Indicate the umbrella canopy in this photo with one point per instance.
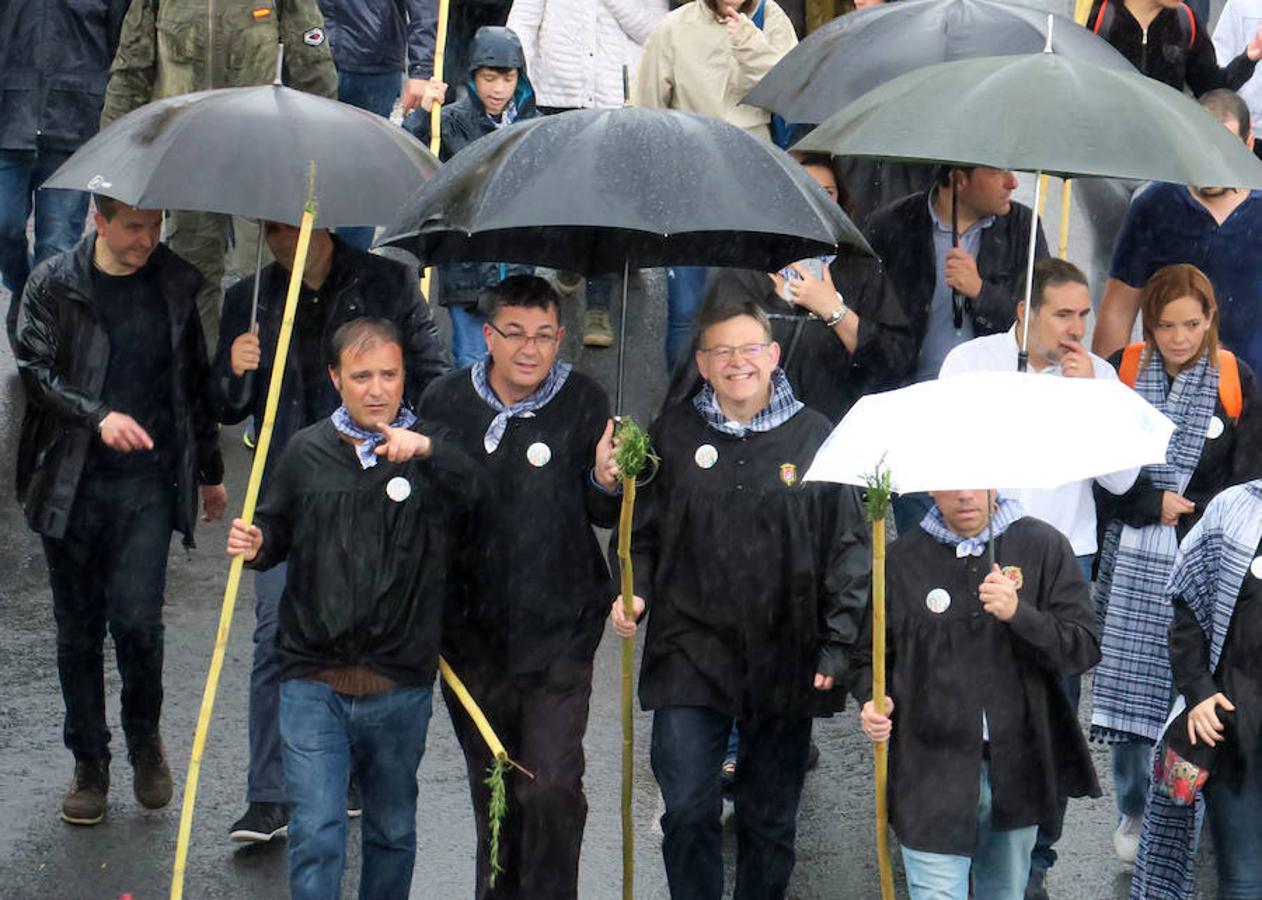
(247, 152)
(851, 55)
(965, 432)
(1041, 112)
(594, 190)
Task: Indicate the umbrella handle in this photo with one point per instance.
(957, 301)
(1023, 357)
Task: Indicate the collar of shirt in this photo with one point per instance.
(973, 231)
(1006, 512)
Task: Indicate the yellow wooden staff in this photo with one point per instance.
(436, 113)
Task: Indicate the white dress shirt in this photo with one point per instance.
(1070, 508)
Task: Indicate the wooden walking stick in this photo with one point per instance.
(238, 562)
(436, 113)
(632, 454)
(877, 505)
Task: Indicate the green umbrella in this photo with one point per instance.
(1040, 113)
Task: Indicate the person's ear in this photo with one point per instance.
(99, 221)
(486, 335)
(773, 352)
(336, 377)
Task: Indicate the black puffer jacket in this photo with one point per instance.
(901, 233)
(54, 62)
(360, 284)
(465, 121)
(381, 36)
(63, 354)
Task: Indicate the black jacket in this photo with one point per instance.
(361, 284)
(754, 580)
(55, 59)
(945, 668)
(380, 36)
(535, 585)
(368, 573)
(901, 233)
(824, 374)
(466, 120)
(1234, 457)
(63, 354)
(1164, 52)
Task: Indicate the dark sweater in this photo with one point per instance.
(535, 585)
(754, 580)
(1234, 457)
(946, 668)
(368, 575)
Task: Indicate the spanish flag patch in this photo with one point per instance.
(261, 12)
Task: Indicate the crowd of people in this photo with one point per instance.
(411, 506)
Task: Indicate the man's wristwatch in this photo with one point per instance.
(839, 313)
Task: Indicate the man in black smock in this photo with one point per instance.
(756, 585)
(984, 737)
(365, 510)
(536, 585)
(118, 441)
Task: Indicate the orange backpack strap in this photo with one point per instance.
(1129, 372)
(1229, 393)
(1186, 12)
(1099, 17)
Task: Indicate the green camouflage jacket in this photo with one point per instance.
(170, 47)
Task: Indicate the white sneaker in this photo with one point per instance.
(1126, 838)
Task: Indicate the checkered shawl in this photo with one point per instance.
(479, 372)
(1007, 511)
(783, 407)
(1210, 569)
(1133, 683)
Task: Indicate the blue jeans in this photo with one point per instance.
(467, 343)
(382, 736)
(1044, 856)
(375, 92)
(266, 779)
(1132, 771)
(684, 286)
(1000, 864)
(109, 569)
(1237, 832)
(59, 218)
(687, 750)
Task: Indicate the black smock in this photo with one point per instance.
(823, 373)
(1233, 457)
(535, 586)
(754, 581)
(368, 575)
(945, 669)
(1238, 675)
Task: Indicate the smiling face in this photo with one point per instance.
(965, 512)
(1180, 332)
(737, 356)
(523, 342)
(369, 379)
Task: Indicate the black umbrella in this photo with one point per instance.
(610, 189)
(247, 151)
(854, 53)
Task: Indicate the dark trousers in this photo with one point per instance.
(540, 718)
(688, 747)
(110, 569)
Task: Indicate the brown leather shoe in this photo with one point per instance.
(85, 801)
(151, 777)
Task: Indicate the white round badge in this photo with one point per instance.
(398, 489)
(706, 456)
(539, 454)
(938, 601)
(1256, 567)
(1214, 429)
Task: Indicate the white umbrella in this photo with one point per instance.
(994, 430)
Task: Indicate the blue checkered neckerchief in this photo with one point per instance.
(507, 117)
(1007, 511)
(783, 407)
(551, 386)
(366, 442)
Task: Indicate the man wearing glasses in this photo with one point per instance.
(535, 583)
(756, 584)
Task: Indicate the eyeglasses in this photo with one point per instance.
(545, 340)
(724, 352)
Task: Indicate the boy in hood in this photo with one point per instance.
(498, 94)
